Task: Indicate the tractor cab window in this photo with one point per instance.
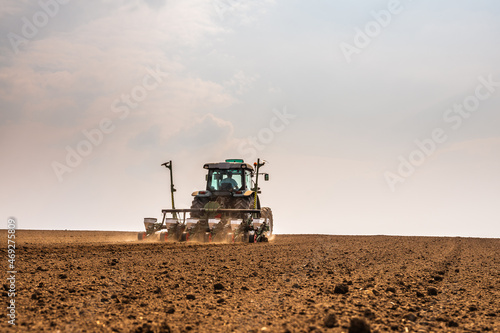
(224, 180)
(248, 180)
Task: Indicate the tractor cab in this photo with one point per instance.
(230, 185)
(229, 176)
(229, 180)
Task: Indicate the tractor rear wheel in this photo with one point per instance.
(266, 213)
(141, 235)
(244, 203)
(198, 202)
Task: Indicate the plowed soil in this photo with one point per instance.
(76, 281)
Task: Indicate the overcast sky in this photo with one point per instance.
(375, 117)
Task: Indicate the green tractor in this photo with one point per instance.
(228, 209)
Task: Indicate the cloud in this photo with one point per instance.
(70, 79)
(155, 4)
(241, 13)
(240, 82)
(147, 139)
(205, 134)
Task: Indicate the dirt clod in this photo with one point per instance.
(369, 314)
(359, 325)
(164, 328)
(431, 291)
(144, 328)
(410, 317)
(341, 289)
(391, 290)
(330, 320)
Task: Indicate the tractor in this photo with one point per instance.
(227, 210)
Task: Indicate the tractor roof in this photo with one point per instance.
(229, 164)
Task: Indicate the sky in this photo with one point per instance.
(374, 117)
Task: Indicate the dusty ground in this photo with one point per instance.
(106, 281)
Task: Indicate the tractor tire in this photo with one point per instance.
(266, 213)
(164, 237)
(244, 203)
(198, 203)
(252, 238)
(141, 236)
(184, 237)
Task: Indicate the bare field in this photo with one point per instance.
(85, 281)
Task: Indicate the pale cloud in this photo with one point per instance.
(13, 7)
(273, 90)
(241, 82)
(481, 148)
(243, 13)
(81, 72)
